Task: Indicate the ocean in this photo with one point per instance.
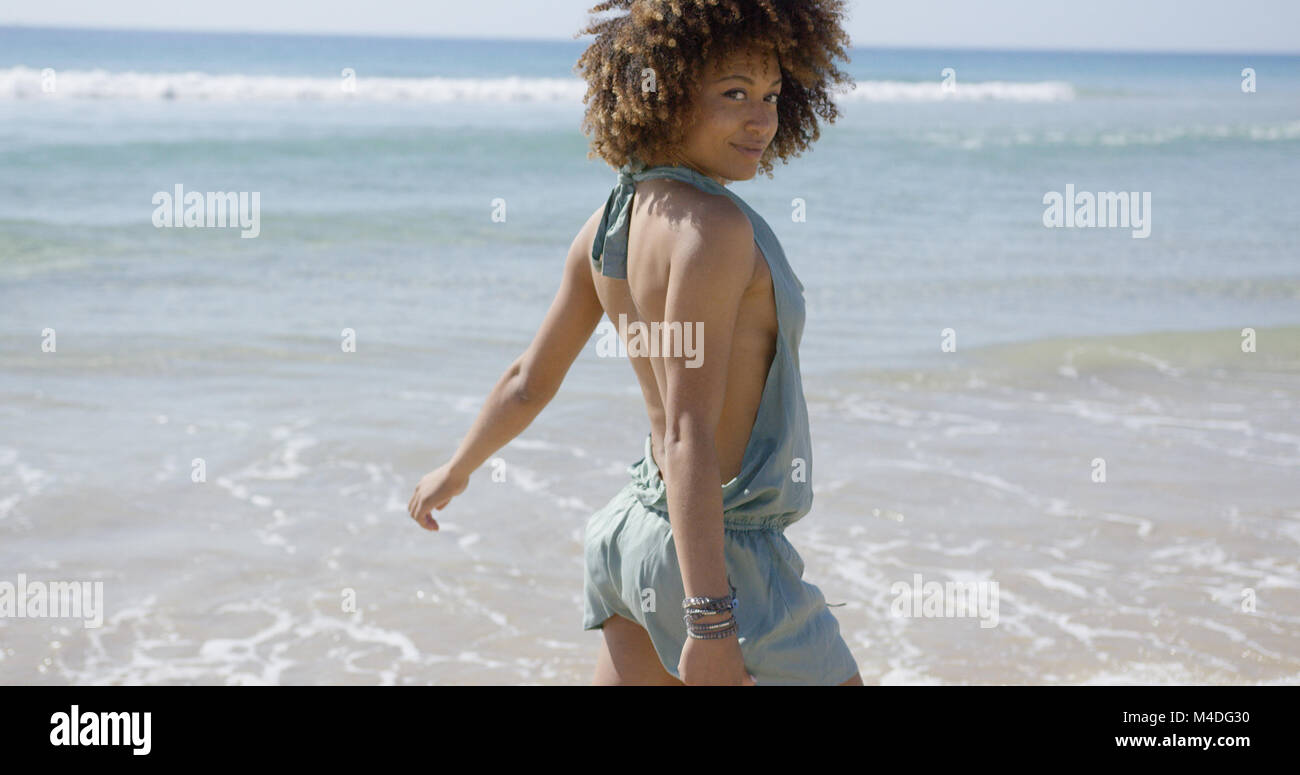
(1103, 424)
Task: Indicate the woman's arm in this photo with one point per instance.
(709, 273)
(527, 386)
(530, 383)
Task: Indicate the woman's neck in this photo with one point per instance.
(671, 161)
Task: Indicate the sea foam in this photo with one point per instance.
(18, 83)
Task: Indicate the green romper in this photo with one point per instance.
(787, 634)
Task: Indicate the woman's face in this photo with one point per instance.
(734, 107)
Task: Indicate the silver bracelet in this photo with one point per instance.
(695, 614)
(723, 607)
(726, 631)
(706, 626)
(712, 605)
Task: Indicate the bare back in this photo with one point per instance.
(661, 210)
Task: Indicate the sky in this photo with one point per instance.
(1246, 26)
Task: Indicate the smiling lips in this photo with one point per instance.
(752, 151)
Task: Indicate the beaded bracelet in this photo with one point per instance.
(720, 606)
(721, 630)
(699, 607)
(698, 626)
(694, 615)
(712, 605)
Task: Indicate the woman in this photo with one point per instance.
(684, 103)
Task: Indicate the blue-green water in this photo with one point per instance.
(923, 210)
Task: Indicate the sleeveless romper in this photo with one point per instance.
(787, 634)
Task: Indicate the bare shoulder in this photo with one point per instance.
(586, 237)
(711, 228)
(718, 234)
(700, 224)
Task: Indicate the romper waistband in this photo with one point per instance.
(650, 489)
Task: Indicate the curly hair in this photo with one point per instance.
(670, 40)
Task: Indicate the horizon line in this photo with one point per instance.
(581, 38)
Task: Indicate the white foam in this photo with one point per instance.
(258, 657)
(1055, 582)
(534, 444)
(1142, 673)
(24, 481)
(26, 83)
(975, 139)
(1143, 525)
(934, 91)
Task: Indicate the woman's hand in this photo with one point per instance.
(713, 662)
(435, 490)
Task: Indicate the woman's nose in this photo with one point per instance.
(761, 121)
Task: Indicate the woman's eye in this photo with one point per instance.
(772, 98)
